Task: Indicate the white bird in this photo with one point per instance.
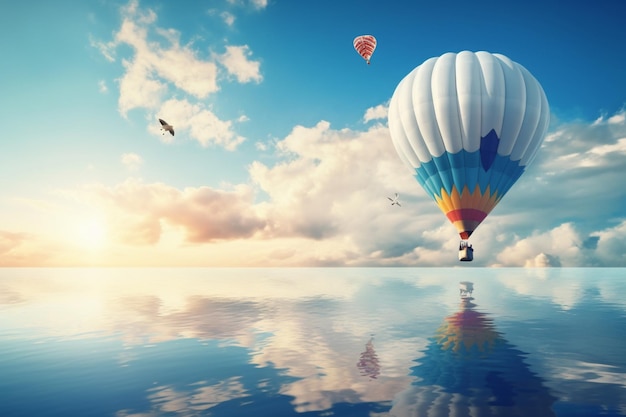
(394, 201)
(166, 127)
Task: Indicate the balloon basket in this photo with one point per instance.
(466, 252)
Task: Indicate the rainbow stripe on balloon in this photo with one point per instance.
(468, 185)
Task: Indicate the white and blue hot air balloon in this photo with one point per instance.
(468, 125)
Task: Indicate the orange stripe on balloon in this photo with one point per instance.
(466, 210)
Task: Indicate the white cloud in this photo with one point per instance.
(236, 62)
(544, 248)
(107, 49)
(256, 4)
(228, 18)
(376, 113)
(160, 64)
(328, 184)
(566, 246)
(259, 4)
(201, 124)
(575, 179)
(132, 161)
(138, 88)
(332, 187)
(542, 260)
(610, 249)
(172, 63)
(618, 118)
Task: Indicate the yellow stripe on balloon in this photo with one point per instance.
(476, 200)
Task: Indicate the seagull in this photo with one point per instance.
(394, 201)
(166, 127)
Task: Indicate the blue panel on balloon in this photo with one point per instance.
(468, 169)
(489, 149)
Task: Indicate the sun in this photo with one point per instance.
(92, 233)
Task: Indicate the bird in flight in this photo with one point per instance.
(394, 201)
(166, 127)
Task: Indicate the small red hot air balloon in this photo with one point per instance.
(365, 45)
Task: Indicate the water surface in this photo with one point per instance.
(312, 342)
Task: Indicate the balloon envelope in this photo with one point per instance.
(467, 125)
(365, 46)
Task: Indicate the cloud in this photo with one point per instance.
(139, 88)
(575, 179)
(543, 260)
(107, 49)
(9, 241)
(256, 4)
(132, 161)
(201, 124)
(322, 201)
(155, 64)
(376, 112)
(332, 186)
(610, 245)
(137, 210)
(236, 62)
(566, 245)
(102, 87)
(160, 66)
(544, 248)
(228, 18)
(259, 4)
(20, 249)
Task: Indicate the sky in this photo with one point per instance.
(282, 154)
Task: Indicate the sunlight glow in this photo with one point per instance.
(92, 233)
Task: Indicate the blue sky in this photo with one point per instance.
(282, 154)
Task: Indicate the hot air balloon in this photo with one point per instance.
(365, 45)
(467, 125)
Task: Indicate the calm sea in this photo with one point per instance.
(312, 342)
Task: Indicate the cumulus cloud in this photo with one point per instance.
(376, 113)
(543, 260)
(153, 64)
(201, 123)
(161, 65)
(236, 62)
(610, 245)
(332, 185)
(575, 179)
(322, 201)
(566, 245)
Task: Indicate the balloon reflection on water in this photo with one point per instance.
(470, 369)
(369, 364)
